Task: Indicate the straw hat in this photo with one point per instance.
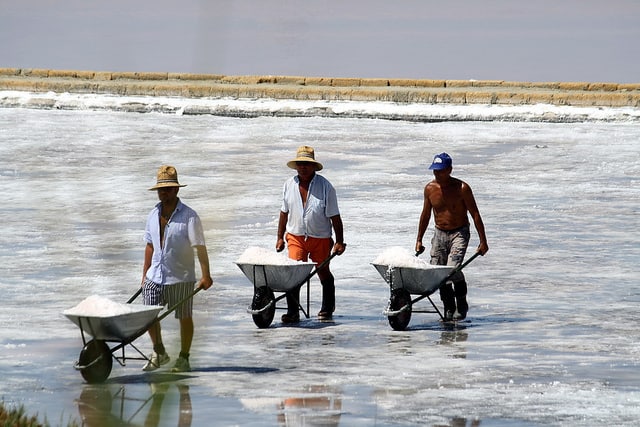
(305, 154)
(167, 177)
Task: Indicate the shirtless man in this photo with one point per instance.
(451, 200)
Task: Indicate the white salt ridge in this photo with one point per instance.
(97, 306)
(260, 256)
(397, 256)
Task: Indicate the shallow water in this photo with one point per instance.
(550, 338)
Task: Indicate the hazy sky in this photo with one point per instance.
(541, 40)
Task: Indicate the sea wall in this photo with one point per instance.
(322, 88)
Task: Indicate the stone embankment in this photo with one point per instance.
(322, 88)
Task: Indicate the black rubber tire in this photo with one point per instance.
(96, 357)
(400, 298)
(263, 297)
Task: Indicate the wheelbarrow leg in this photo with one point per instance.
(435, 307)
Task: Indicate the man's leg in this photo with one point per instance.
(448, 299)
(320, 250)
(186, 335)
(459, 242)
(184, 313)
(293, 299)
(155, 334)
(460, 290)
(152, 295)
(328, 296)
(439, 256)
(298, 252)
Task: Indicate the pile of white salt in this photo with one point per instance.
(397, 256)
(260, 256)
(97, 306)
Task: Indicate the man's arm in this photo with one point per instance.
(425, 217)
(203, 257)
(472, 207)
(282, 226)
(148, 255)
(338, 229)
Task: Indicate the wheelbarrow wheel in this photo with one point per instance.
(95, 361)
(262, 298)
(400, 298)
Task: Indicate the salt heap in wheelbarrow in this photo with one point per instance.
(108, 320)
(401, 269)
(275, 270)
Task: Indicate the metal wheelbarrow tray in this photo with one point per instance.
(406, 281)
(96, 358)
(120, 327)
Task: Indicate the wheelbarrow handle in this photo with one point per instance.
(315, 270)
(179, 303)
(319, 267)
(134, 296)
(474, 256)
(458, 268)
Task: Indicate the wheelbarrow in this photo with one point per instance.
(96, 358)
(270, 278)
(406, 281)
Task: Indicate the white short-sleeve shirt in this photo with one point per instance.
(174, 262)
(312, 219)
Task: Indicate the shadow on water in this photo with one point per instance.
(314, 323)
(244, 369)
(308, 324)
(164, 377)
(145, 378)
(474, 322)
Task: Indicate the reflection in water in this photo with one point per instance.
(94, 406)
(462, 422)
(400, 343)
(99, 406)
(387, 398)
(453, 337)
(318, 405)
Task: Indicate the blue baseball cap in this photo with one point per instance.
(441, 161)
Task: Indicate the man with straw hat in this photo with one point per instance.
(172, 233)
(308, 214)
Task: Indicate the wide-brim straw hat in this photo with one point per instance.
(167, 177)
(305, 154)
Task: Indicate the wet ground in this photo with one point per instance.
(550, 338)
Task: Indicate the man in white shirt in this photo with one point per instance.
(172, 233)
(308, 214)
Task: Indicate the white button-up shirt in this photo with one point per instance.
(174, 260)
(312, 219)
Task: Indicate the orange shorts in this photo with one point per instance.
(300, 248)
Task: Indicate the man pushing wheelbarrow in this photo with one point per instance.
(451, 201)
(172, 233)
(308, 213)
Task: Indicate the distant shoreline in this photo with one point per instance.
(487, 92)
